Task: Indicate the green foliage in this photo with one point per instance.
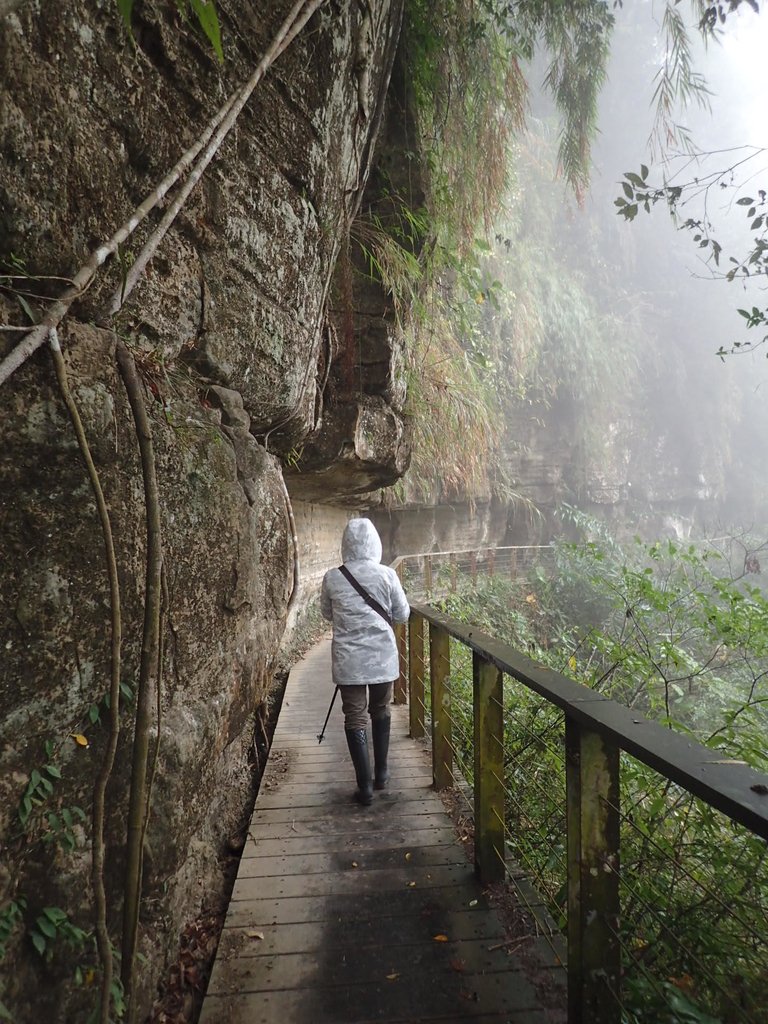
(578, 37)
(53, 927)
(38, 789)
(678, 86)
(676, 83)
(10, 918)
(677, 632)
(456, 419)
(465, 71)
(61, 827)
(390, 242)
(203, 10)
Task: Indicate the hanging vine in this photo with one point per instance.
(103, 944)
(140, 797)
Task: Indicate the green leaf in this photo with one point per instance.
(53, 771)
(54, 914)
(26, 307)
(38, 942)
(209, 22)
(25, 810)
(126, 10)
(46, 928)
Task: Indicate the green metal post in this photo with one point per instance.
(439, 669)
(488, 698)
(416, 676)
(594, 955)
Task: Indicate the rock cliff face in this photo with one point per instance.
(235, 340)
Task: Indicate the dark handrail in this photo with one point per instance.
(737, 790)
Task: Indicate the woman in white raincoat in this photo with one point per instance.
(364, 654)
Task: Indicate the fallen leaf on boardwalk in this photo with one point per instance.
(254, 934)
(473, 903)
(411, 885)
(354, 863)
(457, 965)
(408, 856)
(393, 976)
(439, 938)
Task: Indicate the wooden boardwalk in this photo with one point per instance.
(343, 914)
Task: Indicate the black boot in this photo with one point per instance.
(380, 728)
(357, 741)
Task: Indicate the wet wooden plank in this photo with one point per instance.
(332, 842)
(271, 939)
(360, 859)
(352, 880)
(426, 902)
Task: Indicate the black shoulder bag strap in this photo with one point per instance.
(371, 601)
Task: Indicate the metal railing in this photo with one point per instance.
(440, 572)
(598, 735)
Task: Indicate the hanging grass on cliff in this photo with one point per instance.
(466, 67)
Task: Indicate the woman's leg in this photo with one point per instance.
(353, 701)
(379, 699)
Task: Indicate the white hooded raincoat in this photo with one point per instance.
(364, 650)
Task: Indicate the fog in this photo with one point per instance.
(701, 420)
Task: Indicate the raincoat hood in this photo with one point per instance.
(360, 542)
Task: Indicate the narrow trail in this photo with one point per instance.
(343, 914)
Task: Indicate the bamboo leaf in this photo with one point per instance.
(126, 10)
(209, 22)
